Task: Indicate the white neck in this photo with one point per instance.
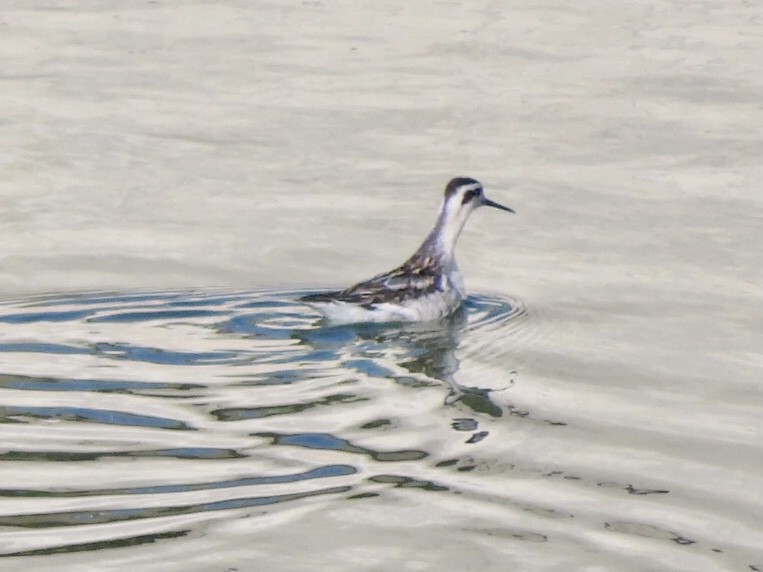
(450, 221)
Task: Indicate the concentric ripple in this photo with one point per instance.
(130, 418)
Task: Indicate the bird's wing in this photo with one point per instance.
(415, 278)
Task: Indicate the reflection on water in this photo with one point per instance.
(425, 351)
(194, 378)
(133, 419)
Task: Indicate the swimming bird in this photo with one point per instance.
(428, 286)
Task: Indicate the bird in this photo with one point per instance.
(428, 286)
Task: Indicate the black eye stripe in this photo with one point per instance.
(469, 195)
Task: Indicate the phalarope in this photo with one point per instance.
(428, 286)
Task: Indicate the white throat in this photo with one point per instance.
(450, 223)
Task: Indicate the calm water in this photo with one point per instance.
(597, 405)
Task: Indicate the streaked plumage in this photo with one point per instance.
(427, 286)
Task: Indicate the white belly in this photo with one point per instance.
(431, 307)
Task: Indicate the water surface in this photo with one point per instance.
(595, 407)
(165, 418)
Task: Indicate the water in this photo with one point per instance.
(165, 418)
(595, 407)
(158, 411)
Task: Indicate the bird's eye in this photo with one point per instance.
(469, 195)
